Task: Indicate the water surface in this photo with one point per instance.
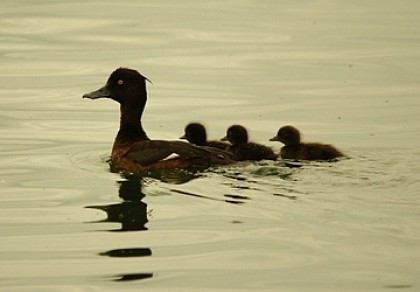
(343, 73)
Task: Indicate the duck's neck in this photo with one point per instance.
(130, 124)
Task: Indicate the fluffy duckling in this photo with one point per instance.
(196, 134)
(295, 149)
(237, 135)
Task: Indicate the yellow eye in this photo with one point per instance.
(120, 82)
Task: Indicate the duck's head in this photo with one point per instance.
(195, 133)
(288, 135)
(126, 86)
(236, 135)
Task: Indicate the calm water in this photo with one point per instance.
(344, 73)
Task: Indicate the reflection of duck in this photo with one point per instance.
(196, 134)
(133, 151)
(132, 213)
(237, 135)
(127, 252)
(295, 149)
(133, 277)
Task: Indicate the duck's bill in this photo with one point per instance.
(275, 138)
(183, 137)
(224, 139)
(103, 92)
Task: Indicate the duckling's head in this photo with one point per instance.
(236, 135)
(195, 133)
(288, 135)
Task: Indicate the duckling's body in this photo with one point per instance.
(196, 134)
(296, 150)
(242, 150)
(133, 151)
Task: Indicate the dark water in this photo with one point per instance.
(344, 73)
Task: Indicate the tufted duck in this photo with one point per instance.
(133, 151)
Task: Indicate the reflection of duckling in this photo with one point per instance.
(295, 149)
(237, 135)
(196, 134)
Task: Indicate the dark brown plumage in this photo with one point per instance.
(295, 149)
(133, 151)
(237, 135)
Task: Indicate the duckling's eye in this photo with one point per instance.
(120, 82)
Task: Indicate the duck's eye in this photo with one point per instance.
(120, 82)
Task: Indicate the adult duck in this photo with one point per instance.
(133, 151)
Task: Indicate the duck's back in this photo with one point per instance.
(161, 154)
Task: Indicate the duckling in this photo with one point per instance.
(237, 135)
(295, 149)
(195, 133)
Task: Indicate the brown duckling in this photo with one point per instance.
(237, 135)
(196, 134)
(133, 151)
(295, 149)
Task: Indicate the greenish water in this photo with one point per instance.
(343, 73)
